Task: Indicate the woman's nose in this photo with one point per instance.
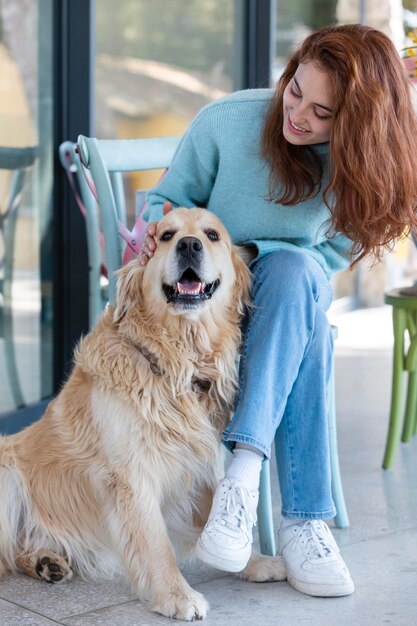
(299, 113)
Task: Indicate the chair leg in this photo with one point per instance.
(11, 364)
(410, 411)
(342, 518)
(9, 341)
(394, 429)
(415, 421)
(265, 518)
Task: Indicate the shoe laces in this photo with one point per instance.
(235, 511)
(317, 539)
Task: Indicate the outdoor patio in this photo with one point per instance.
(380, 547)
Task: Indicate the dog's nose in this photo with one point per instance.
(189, 247)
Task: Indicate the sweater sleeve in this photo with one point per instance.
(335, 252)
(191, 175)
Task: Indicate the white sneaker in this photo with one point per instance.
(314, 564)
(226, 541)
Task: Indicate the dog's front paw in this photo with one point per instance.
(262, 569)
(52, 568)
(188, 605)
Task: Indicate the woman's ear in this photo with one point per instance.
(243, 281)
(129, 289)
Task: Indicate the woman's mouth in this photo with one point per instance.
(297, 130)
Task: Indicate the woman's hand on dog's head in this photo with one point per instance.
(147, 249)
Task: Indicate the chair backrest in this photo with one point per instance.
(104, 157)
(70, 161)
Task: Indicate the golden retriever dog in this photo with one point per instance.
(127, 457)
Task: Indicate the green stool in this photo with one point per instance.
(404, 315)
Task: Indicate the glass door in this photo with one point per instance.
(26, 176)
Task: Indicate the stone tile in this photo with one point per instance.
(55, 601)
(197, 573)
(384, 570)
(127, 614)
(385, 594)
(12, 615)
(79, 596)
(384, 574)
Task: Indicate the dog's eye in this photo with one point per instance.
(167, 235)
(212, 235)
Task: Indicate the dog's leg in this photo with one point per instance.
(262, 569)
(3, 568)
(44, 565)
(140, 534)
(203, 504)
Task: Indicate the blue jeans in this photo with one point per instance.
(285, 367)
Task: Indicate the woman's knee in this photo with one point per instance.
(290, 273)
(289, 265)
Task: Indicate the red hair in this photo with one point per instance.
(372, 188)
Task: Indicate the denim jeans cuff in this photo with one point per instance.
(230, 441)
(303, 515)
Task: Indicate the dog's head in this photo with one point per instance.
(195, 268)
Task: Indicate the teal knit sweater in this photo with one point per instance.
(218, 165)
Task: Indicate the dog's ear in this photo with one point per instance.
(129, 289)
(243, 280)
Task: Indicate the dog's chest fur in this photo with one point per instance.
(174, 399)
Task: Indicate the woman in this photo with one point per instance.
(308, 180)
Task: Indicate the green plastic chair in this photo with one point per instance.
(17, 160)
(103, 158)
(404, 317)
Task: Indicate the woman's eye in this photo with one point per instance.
(167, 235)
(212, 235)
(294, 93)
(322, 117)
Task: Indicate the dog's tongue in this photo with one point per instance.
(190, 287)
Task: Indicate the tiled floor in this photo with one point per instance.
(380, 547)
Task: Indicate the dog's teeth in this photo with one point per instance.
(189, 289)
(202, 287)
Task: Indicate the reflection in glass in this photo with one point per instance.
(158, 63)
(25, 203)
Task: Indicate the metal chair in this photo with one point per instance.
(104, 157)
(17, 160)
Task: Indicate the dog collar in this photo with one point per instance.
(203, 386)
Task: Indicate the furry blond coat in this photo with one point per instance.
(127, 456)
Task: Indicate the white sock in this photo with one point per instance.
(245, 466)
(288, 521)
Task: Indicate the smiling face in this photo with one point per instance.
(194, 266)
(308, 106)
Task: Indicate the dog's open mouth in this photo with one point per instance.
(190, 289)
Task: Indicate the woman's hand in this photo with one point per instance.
(148, 246)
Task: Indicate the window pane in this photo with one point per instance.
(25, 202)
(158, 63)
